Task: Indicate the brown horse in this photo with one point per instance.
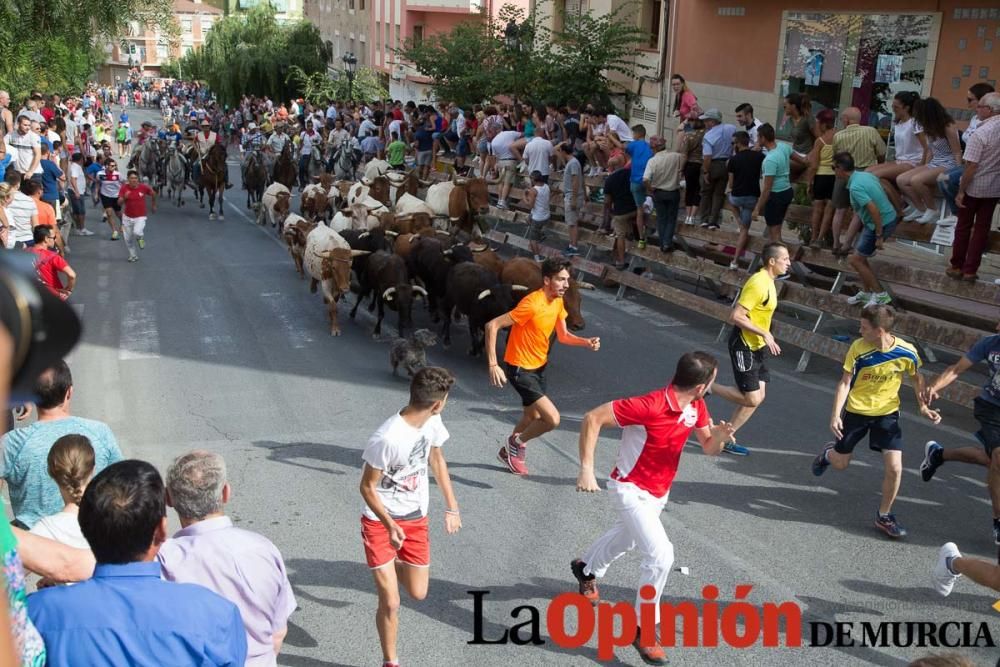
(213, 178)
(285, 171)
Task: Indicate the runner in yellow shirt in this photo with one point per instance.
(869, 387)
(532, 322)
(751, 340)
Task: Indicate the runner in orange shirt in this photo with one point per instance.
(532, 322)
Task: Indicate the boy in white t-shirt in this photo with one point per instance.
(71, 465)
(395, 489)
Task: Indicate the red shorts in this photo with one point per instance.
(379, 552)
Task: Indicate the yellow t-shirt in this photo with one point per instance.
(876, 376)
(760, 298)
(535, 319)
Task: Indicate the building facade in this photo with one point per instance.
(147, 49)
(285, 10)
(344, 25)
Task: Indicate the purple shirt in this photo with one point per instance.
(241, 566)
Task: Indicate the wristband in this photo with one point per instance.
(451, 512)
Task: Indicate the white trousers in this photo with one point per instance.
(132, 228)
(638, 527)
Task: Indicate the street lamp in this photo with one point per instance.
(512, 36)
(350, 66)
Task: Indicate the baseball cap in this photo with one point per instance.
(711, 114)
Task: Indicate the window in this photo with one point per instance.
(418, 34)
(396, 35)
(350, 4)
(649, 21)
(378, 36)
(162, 52)
(388, 44)
(142, 54)
(206, 24)
(186, 24)
(361, 5)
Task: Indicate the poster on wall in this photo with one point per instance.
(814, 67)
(889, 68)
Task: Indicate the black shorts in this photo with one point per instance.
(883, 433)
(823, 187)
(530, 385)
(749, 366)
(988, 416)
(776, 207)
(112, 203)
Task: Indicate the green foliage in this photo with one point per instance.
(472, 63)
(251, 53)
(48, 45)
(319, 87)
(170, 69)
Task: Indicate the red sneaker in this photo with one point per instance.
(651, 655)
(588, 584)
(513, 456)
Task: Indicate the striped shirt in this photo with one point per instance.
(984, 150)
(19, 214)
(863, 142)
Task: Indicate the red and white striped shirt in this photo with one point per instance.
(654, 430)
(984, 149)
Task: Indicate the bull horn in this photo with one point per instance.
(519, 288)
(585, 285)
(387, 295)
(365, 182)
(420, 290)
(360, 253)
(449, 252)
(391, 233)
(425, 184)
(482, 295)
(363, 235)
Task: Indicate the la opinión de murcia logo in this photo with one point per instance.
(738, 624)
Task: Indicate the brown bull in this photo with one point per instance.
(295, 234)
(489, 259)
(469, 198)
(411, 223)
(527, 272)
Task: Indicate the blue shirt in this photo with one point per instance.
(640, 152)
(718, 142)
(51, 173)
(33, 494)
(864, 189)
(93, 169)
(988, 350)
(777, 164)
(128, 615)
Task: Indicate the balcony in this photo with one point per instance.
(450, 6)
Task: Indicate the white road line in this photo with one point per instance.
(140, 336)
(298, 335)
(102, 282)
(211, 319)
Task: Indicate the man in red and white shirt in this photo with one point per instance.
(655, 428)
(49, 264)
(133, 197)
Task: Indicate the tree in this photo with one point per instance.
(319, 87)
(472, 62)
(50, 46)
(253, 54)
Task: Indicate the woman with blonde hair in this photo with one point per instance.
(6, 194)
(71, 465)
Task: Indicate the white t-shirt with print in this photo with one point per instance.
(617, 125)
(401, 452)
(64, 528)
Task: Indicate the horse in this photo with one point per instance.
(316, 166)
(254, 177)
(213, 178)
(148, 163)
(176, 168)
(285, 171)
(190, 155)
(343, 161)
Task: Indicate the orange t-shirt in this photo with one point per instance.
(46, 215)
(535, 319)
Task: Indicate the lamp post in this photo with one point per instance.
(512, 40)
(350, 66)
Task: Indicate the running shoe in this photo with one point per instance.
(712, 227)
(114, 236)
(133, 259)
(513, 456)
(651, 655)
(588, 582)
(888, 525)
(501, 205)
(820, 463)
(932, 460)
(641, 245)
(943, 576)
(879, 299)
(142, 243)
(734, 449)
(861, 297)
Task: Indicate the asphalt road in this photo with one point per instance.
(212, 341)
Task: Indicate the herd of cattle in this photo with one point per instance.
(402, 248)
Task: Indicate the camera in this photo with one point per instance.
(43, 328)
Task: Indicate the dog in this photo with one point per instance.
(410, 353)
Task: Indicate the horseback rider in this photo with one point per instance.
(252, 143)
(203, 142)
(310, 140)
(276, 142)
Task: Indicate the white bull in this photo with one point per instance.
(274, 205)
(408, 204)
(327, 259)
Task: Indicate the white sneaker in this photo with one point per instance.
(929, 216)
(944, 579)
(860, 297)
(912, 215)
(879, 299)
(910, 208)
(86, 232)
(734, 265)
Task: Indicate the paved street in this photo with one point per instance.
(212, 341)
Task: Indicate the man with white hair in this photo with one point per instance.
(978, 193)
(241, 566)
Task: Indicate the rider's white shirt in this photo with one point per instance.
(204, 143)
(277, 142)
(307, 144)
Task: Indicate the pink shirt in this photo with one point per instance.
(984, 149)
(241, 566)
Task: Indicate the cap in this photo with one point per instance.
(656, 142)
(204, 121)
(251, 126)
(711, 114)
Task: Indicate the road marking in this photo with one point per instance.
(102, 282)
(140, 336)
(103, 298)
(210, 318)
(298, 335)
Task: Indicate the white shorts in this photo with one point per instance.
(138, 225)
